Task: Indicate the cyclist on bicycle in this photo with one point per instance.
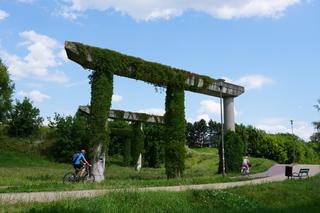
(246, 164)
(79, 163)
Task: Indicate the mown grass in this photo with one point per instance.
(287, 196)
(30, 172)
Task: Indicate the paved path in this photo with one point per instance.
(275, 173)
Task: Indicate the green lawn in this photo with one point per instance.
(287, 196)
(31, 172)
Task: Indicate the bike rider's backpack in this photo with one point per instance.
(75, 157)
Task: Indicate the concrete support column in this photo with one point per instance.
(228, 111)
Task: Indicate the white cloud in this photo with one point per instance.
(44, 55)
(3, 14)
(153, 111)
(254, 81)
(35, 95)
(164, 9)
(251, 81)
(281, 125)
(116, 98)
(209, 109)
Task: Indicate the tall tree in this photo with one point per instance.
(6, 90)
(25, 119)
(214, 132)
(201, 129)
(316, 136)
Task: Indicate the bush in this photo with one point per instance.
(233, 152)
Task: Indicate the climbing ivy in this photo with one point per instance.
(107, 62)
(141, 117)
(137, 142)
(175, 127)
(234, 151)
(127, 152)
(101, 93)
(137, 68)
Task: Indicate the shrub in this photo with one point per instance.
(233, 147)
(233, 151)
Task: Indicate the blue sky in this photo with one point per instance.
(271, 47)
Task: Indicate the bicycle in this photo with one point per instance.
(86, 177)
(244, 170)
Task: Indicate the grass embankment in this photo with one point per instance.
(27, 171)
(287, 196)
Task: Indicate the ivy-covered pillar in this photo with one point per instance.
(127, 152)
(137, 142)
(175, 127)
(101, 94)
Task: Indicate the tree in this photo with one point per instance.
(316, 136)
(6, 90)
(25, 119)
(70, 134)
(201, 129)
(190, 135)
(241, 130)
(214, 133)
(201, 134)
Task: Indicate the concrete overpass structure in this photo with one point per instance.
(90, 57)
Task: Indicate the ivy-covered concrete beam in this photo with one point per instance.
(92, 58)
(128, 116)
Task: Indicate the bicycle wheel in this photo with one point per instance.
(88, 178)
(69, 178)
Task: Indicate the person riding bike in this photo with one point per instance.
(246, 164)
(79, 163)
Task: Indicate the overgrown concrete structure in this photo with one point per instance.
(105, 63)
(128, 116)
